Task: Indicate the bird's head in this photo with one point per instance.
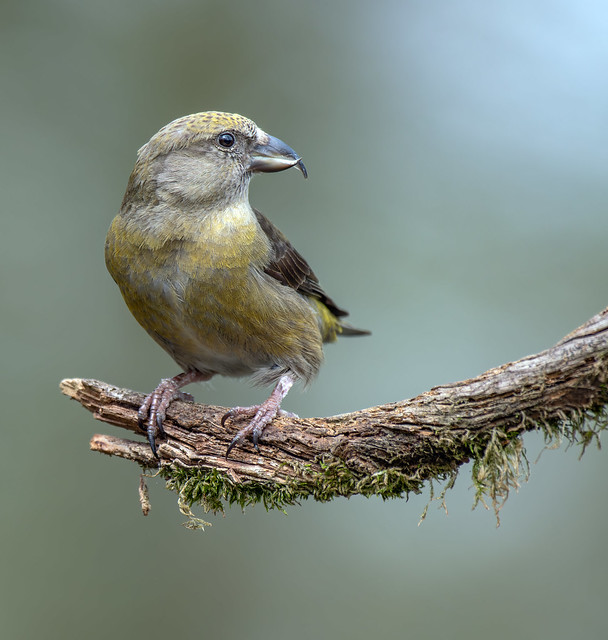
(208, 158)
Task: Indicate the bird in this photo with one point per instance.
(211, 279)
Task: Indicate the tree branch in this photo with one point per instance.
(387, 450)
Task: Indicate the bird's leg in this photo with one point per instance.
(152, 412)
(263, 414)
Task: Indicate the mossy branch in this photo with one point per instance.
(388, 450)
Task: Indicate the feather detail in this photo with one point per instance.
(291, 269)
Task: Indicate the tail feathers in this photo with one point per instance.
(348, 330)
(331, 327)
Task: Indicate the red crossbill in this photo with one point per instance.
(214, 282)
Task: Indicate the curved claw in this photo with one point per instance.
(239, 411)
(231, 445)
(233, 413)
(239, 436)
(152, 441)
(152, 412)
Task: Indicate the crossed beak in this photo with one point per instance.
(271, 154)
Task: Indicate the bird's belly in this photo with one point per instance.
(231, 322)
(207, 304)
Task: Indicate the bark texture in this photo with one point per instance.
(400, 444)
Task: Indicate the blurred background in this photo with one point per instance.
(456, 206)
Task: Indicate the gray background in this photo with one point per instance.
(456, 206)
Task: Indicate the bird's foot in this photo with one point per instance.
(262, 414)
(152, 412)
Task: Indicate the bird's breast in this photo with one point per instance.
(202, 295)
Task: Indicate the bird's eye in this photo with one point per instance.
(226, 139)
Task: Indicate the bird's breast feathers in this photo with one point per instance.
(200, 290)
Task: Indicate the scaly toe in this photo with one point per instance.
(263, 414)
(152, 412)
(238, 412)
(262, 417)
(142, 413)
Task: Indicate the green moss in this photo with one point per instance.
(213, 490)
(500, 463)
(499, 466)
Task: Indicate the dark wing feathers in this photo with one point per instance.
(289, 267)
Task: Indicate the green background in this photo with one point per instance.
(456, 206)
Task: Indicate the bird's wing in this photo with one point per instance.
(289, 267)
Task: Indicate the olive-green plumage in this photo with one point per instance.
(208, 277)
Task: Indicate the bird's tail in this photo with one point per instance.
(348, 330)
